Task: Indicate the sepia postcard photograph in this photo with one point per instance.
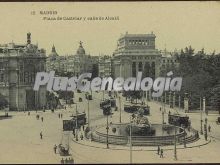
(110, 82)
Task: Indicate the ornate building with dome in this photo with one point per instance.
(84, 62)
(19, 64)
(76, 64)
(56, 62)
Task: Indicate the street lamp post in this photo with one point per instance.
(205, 131)
(174, 99)
(88, 114)
(170, 99)
(201, 131)
(184, 136)
(162, 117)
(130, 140)
(165, 93)
(107, 129)
(120, 108)
(76, 124)
(103, 95)
(175, 150)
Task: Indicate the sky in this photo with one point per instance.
(175, 24)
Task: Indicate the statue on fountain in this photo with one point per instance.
(140, 125)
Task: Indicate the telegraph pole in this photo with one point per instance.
(175, 151)
(120, 108)
(130, 141)
(201, 131)
(184, 137)
(88, 114)
(174, 99)
(76, 124)
(107, 128)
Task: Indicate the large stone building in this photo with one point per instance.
(137, 52)
(134, 53)
(19, 64)
(105, 66)
(56, 62)
(84, 62)
(78, 63)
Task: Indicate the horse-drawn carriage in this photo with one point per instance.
(64, 151)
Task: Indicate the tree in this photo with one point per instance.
(3, 102)
(215, 97)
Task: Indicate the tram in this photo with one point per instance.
(135, 108)
(105, 102)
(178, 120)
(74, 121)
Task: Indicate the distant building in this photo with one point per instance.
(168, 62)
(19, 64)
(56, 62)
(83, 62)
(105, 66)
(78, 63)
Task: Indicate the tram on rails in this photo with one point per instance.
(179, 120)
(74, 121)
(136, 108)
(106, 105)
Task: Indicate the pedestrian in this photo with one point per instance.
(69, 161)
(66, 161)
(161, 153)
(62, 161)
(158, 150)
(41, 135)
(42, 119)
(81, 136)
(55, 148)
(209, 128)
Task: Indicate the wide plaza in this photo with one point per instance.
(21, 143)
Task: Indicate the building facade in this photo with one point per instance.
(19, 64)
(137, 53)
(55, 62)
(105, 66)
(76, 64)
(83, 62)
